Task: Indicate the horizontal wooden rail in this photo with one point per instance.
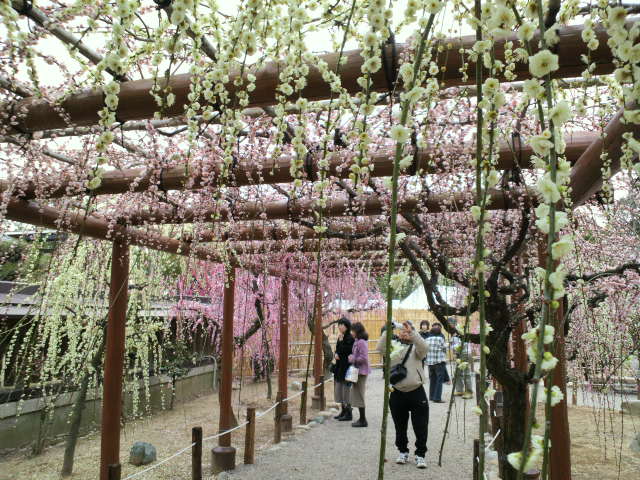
(136, 103)
(183, 177)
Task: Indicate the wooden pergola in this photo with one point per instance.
(268, 224)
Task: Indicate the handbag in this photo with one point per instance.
(352, 374)
(399, 371)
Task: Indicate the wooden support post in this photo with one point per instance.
(114, 359)
(574, 393)
(560, 454)
(277, 419)
(303, 404)
(250, 437)
(196, 453)
(224, 455)
(114, 472)
(316, 400)
(283, 363)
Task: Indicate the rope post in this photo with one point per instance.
(223, 457)
(114, 471)
(196, 453)
(323, 398)
(303, 404)
(250, 437)
(476, 454)
(114, 359)
(277, 419)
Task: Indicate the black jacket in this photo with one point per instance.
(343, 350)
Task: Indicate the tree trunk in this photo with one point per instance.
(74, 430)
(514, 413)
(268, 377)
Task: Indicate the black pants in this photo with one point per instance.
(414, 403)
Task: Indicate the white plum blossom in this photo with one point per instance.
(548, 189)
(543, 63)
(549, 362)
(561, 113)
(541, 144)
(400, 133)
(561, 247)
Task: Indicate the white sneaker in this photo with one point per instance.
(402, 458)
(420, 463)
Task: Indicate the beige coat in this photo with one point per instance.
(415, 371)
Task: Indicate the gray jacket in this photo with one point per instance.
(415, 371)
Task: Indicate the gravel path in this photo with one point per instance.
(336, 450)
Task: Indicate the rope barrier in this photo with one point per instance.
(212, 437)
(153, 467)
(494, 439)
(217, 435)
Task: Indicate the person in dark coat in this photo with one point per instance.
(341, 388)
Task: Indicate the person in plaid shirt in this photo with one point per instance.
(436, 361)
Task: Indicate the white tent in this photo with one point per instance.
(418, 299)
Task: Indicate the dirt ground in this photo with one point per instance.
(600, 441)
(169, 431)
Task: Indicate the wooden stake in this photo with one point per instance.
(277, 419)
(250, 437)
(196, 453)
(303, 404)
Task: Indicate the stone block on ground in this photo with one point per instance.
(631, 407)
(142, 453)
(319, 419)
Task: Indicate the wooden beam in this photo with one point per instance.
(586, 174)
(136, 103)
(114, 359)
(183, 177)
(337, 206)
(92, 226)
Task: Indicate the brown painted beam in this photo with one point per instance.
(114, 359)
(136, 103)
(586, 174)
(337, 206)
(76, 221)
(183, 177)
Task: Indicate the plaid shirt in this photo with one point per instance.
(436, 349)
